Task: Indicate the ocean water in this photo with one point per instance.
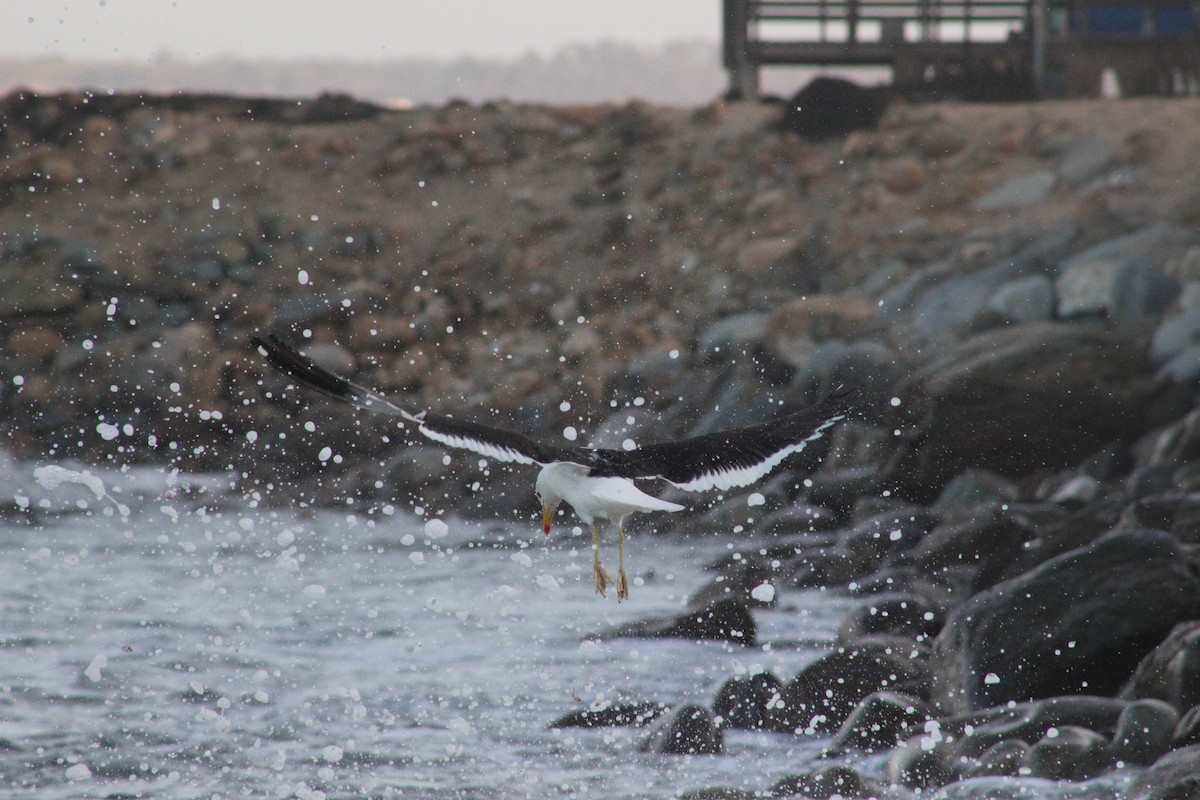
(198, 646)
(163, 637)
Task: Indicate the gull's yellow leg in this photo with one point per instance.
(600, 575)
(622, 578)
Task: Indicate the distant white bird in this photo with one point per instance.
(597, 483)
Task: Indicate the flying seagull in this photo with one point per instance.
(597, 483)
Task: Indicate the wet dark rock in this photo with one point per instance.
(619, 715)
(838, 490)
(882, 719)
(869, 366)
(971, 489)
(882, 536)
(1006, 757)
(1078, 623)
(918, 765)
(1187, 732)
(1144, 732)
(823, 694)
(825, 567)
(986, 542)
(1000, 401)
(1171, 671)
(906, 615)
(826, 783)
(1030, 722)
(1068, 753)
(685, 730)
(738, 581)
(1175, 776)
(744, 701)
(726, 621)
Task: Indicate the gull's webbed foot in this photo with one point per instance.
(622, 584)
(601, 578)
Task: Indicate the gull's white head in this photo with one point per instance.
(549, 499)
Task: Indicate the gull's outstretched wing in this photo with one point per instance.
(730, 458)
(498, 443)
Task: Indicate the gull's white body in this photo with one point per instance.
(596, 498)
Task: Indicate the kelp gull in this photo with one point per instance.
(597, 483)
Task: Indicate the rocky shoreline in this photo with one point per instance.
(1014, 290)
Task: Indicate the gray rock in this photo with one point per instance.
(620, 715)
(823, 694)
(984, 542)
(737, 581)
(953, 306)
(908, 615)
(1154, 245)
(918, 764)
(1175, 335)
(1171, 671)
(730, 336)
(1029, 299)
(971, 489)
(1175, 776)
(1077, 623)
(1187, 732)
(1006, 757)
(881, 720)
(686, 730)
(1029, 722)
(827, 783)
(1018, 192)
(1085, 159)
(1144, 732)
(1068, 753)
(1119, 288)
(1184, 368)
(744, 701)
(727, 620)
(1002, 401)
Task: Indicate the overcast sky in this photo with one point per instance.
(354, 29)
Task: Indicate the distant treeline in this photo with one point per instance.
(684, 73)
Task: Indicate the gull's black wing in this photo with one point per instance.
(498, 443)
(730, 458)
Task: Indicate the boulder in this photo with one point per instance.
(1002, 401)
(1068, 753)
(685, 730)
(1018, 192)
(826, 783)
(1085, 159)
(726, 621)
(1144, 732)
(823, 694)
(1187, 732)
(1121, 289)
(986, 542)
(607, 716)
(744, 701)
(739, 580)
(1175, 776)
(1006, 757)
(881, 720)
(1029, 299)
(1079, 623)
(976, 733)
(1170, 672)
(908, 615)
(828, 107)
